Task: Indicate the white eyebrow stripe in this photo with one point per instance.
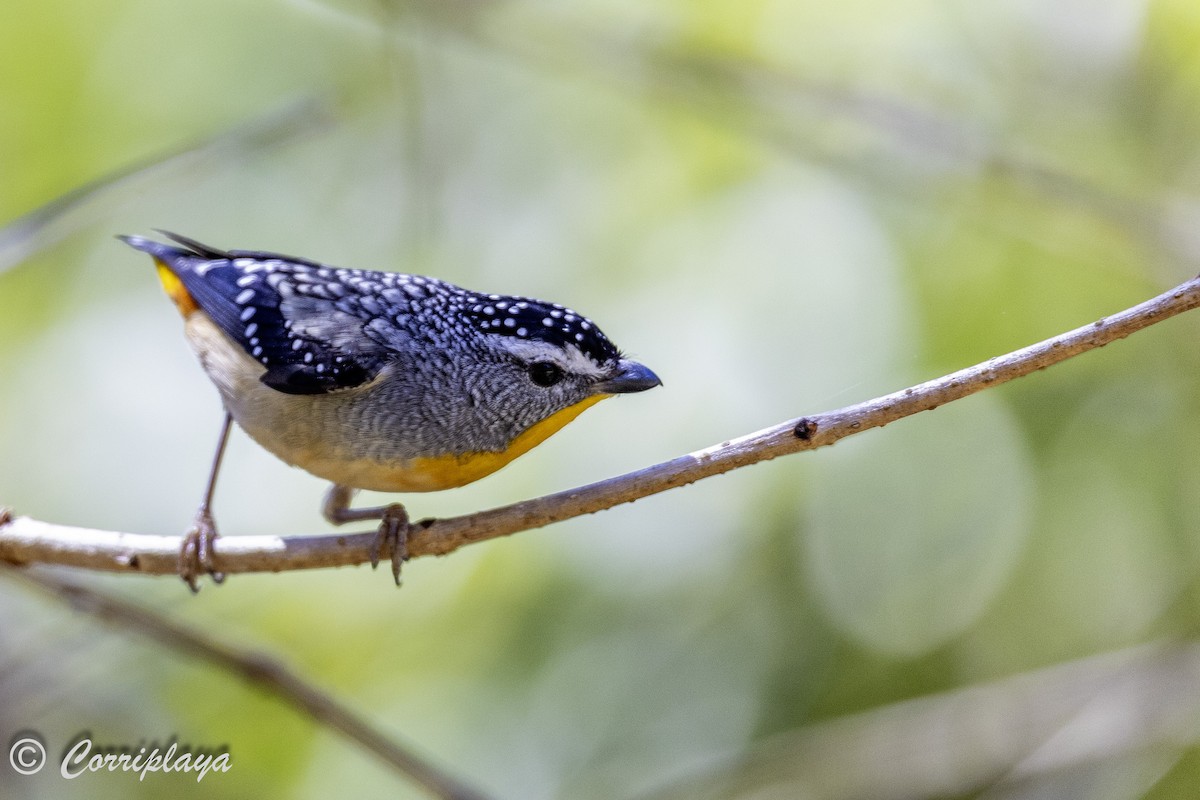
(570, 358)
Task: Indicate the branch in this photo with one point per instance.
(26, 541)
(256, 668)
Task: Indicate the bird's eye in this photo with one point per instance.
(545, 374)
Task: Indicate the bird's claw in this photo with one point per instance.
(196, 552)
(393, 535)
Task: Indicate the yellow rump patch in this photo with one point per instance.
(175, 289)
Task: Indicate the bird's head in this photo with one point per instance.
(545, 363)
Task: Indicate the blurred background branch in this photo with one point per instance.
(988, 740)
(84, 206)
(256, 668)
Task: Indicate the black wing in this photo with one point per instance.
(305, 322)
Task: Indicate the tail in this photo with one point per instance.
(173, 262)
(169, 253)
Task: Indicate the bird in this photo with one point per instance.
(377, 380)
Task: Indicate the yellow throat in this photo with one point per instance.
(447, 472)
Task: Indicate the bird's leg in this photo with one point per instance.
(393, 525)
(195, 554)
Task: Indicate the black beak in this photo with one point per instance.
(630, 377)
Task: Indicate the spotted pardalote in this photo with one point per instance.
(379, 380)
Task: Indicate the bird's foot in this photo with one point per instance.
(393, 536)
(196, 552)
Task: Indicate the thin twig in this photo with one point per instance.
(253, 667)
(27, 541)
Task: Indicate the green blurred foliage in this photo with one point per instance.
(783, 207)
